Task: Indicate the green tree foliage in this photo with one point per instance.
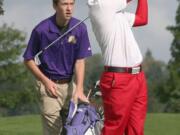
(1, 9)
(157, 75)
(94, 68)
(16, 95)
(173, 88)
(11, 46)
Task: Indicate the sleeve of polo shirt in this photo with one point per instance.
(130, 18)
(33, 46)
(84, 44)
(102, 12)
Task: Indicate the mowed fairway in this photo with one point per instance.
(21, 125)
(156, 124)
(162, 124)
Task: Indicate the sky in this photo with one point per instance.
(26, 14)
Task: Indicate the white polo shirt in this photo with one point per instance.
(112, 29)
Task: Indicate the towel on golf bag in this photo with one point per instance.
(83, 120)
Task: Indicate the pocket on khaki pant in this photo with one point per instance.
(48, 104)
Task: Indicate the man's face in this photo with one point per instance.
(64, 9)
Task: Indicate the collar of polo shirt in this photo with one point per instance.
(121, 4)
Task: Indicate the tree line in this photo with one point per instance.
(17, 89)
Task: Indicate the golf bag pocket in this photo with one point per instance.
(83, 122)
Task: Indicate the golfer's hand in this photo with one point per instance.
(51, 88)
(78, 94)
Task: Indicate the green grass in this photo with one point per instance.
(21, 125)
(156, 124)
(162, 124)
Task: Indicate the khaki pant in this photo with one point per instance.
(50, 107)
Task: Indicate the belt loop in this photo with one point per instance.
(105, 68)
(127, 69)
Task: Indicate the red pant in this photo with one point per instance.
(125, 103)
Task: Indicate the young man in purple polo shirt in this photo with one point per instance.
(58, 62)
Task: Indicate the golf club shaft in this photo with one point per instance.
(64, 34)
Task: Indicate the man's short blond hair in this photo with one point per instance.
(55, 2)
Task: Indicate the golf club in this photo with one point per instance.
(36, 58)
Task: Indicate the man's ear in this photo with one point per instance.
(54, 6)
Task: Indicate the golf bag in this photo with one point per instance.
(84, 119)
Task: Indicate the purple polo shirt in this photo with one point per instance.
(58, 61)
